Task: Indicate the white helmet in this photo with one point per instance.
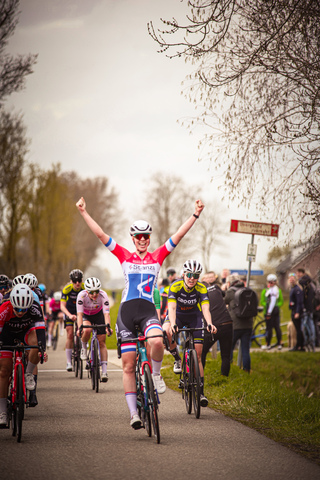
(192, 266)
(271, 277)
(30, 280)
(92, 284)
(21, 296)
(57, 296)
(140, 226)
(18, 279)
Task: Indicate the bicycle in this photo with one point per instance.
(147, 395)
(77, 365)
(259, 331)
(93, 361)
(190, 382)
(17, 398)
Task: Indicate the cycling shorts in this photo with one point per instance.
(8, 337)
(96, 319)
(136, 314)
(190, 321)
(53, 316)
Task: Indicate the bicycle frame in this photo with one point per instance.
(91, 365)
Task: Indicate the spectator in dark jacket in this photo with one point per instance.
(242, 327)
(223, 322)
(296, 307)
(309, 291)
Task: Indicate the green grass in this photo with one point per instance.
(280, 398)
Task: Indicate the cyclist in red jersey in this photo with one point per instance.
(137, 308)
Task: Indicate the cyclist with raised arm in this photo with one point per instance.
(188, 302)
(20, 318)
(141, 270)
(93, 309)
(68, 305)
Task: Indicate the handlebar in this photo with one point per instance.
(21, 347)
(141, 338)
(178, 330)
(106, 326)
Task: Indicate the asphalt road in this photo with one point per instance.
(75, 433)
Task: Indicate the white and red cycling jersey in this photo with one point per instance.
(140, 274)
(92, 306)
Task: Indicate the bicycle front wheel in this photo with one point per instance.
(152, 402)
(195, 382)
(96, 364)
(19, 401)
(55, 336)
(187, 391)
(259, 333)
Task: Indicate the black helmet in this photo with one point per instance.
(76, 275)
(4, 281)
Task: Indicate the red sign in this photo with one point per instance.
(254, 228)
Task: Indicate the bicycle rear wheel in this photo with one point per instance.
(152, 402)
(187, 391)
(19, 401)
(195, 382)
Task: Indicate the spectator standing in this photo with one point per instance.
(272, 299)
(242, 327)
(309, 292)
(223, 321)
(296, 307)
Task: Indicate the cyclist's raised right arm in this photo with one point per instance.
(92, 224)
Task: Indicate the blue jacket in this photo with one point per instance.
(296, 300)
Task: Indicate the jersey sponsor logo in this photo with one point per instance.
(190, 301)
(142, 268)
(80, 302)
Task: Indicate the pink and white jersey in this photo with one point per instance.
(89, 306)
(140, 274)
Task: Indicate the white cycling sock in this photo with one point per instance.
(69, 354)
(104, 364)
(156, 366)
(84, 345)
(131, 398)
(30, 367)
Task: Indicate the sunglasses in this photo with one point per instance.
(21, 310)
(94, 292)
(192, 275)
(140, 236)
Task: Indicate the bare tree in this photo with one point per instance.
(13, 70)
(257, 87)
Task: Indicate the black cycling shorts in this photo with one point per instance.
(96, 319)
(133, 314)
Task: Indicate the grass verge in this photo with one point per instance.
(280, 398)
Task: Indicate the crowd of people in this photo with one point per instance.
(190, 298)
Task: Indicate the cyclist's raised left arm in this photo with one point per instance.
(199, 206)
(92, 224)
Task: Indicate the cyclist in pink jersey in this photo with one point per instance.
(93, 309)
(137, 308)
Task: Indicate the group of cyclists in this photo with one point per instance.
(83, 302)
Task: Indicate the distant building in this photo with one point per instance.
(305, 256)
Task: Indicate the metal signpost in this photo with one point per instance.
(253, 228)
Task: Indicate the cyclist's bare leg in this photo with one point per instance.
(86, 332)
(69, 341)
(199, 348)
(129, 368)
(103, 348)
(156, 344)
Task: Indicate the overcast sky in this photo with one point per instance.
(102, 101)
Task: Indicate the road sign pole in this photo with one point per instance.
(249, 264)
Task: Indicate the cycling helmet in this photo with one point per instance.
(18, 279)
(21, 296)
(4, 281)
(271, 277)
(140, 226)
(92, 284)
(57, 296)
(42, 287)
(30, 280)
(192, 266)
(76, 275)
